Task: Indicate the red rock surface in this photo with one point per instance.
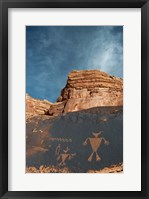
(86, 89)
(91, 102)
(36, 107)
(52, 169)
(112, 169)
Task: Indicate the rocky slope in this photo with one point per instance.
(86, 89)
(53, 169)
(36, 107)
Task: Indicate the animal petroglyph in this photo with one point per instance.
(65, 156)
(37, 129)
(95, 143)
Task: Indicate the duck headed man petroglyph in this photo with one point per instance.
(65, 156)
(95, 143)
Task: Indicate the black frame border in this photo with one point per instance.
(4, 6)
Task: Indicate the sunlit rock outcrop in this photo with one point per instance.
(86, 89)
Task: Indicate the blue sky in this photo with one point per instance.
(54, 51)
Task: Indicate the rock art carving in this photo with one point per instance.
(65, 156)
(34, 130)
(95, 143)
(39, 149)
(57, 152)
(60, 139)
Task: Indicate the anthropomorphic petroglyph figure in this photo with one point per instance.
(65, 156)
(95, 143)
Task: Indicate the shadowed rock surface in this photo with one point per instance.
(48, 138)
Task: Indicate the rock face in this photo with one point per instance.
(86, 89)
(36, 107)
(81, 141)
(87, 135)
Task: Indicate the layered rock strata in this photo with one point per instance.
(86, 89)
(36, 107)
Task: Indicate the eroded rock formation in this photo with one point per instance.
(86, 89)
(36, 107)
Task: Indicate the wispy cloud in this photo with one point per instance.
(53, 51)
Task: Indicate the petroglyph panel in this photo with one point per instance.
(82, 146)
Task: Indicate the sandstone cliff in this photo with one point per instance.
(36, 107)
(86, 89)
